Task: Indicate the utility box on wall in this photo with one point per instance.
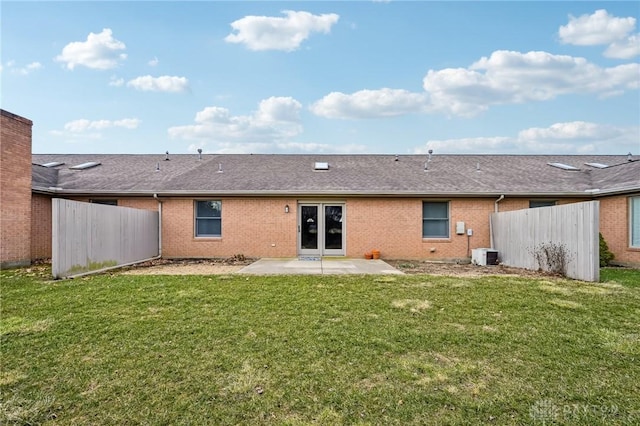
(484, 256)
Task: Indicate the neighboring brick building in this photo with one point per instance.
(410, 206)
(15, 190)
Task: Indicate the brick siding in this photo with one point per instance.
(614, 227)
(15, 189)
(40, 227)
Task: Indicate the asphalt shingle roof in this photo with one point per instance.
(272, 174)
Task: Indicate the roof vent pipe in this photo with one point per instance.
(629, 157)
(219, 167)
(199, 153)
(426, 166)
(167, 157)
(396, 157)
(430, 153)
(157, 167)
(478, 166)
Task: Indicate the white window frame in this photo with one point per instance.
(634, 222)
(448, 220)
(197, 218)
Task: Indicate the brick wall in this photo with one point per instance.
(40, 227)
(15, 189)
(252, 227)
(614, 227)
(394, 226)
(261, 228)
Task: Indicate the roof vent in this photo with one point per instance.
(219, 167)
(321, 166)
(430, 154)
(563, 166)
(629, 157)
(199, 153)
(396, 157)
(597, 165)
(167, 156)
(52, 164)
(85, 166)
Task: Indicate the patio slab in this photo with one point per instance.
(320, 266)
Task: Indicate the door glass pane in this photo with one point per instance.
(309, 227)
(333, 227)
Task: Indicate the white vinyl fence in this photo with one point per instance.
(562, 237)
(89, 237)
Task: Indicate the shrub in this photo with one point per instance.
(605, 255)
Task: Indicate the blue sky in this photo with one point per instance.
(324, 77)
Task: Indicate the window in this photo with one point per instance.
(208, 218)
(538, 203)
(435, 219)
(106, 202)
(634, 222)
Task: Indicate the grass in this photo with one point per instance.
(296, 350)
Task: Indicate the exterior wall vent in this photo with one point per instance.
(85, 166)
(563, 166)
(321, 166)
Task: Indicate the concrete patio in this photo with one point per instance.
(318, 266)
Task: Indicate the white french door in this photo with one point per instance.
(321, 230)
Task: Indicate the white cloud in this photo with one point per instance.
(100, 51)
(83, 125)
(276, 120)
(163, 83)
(577, 137)
(602, 28)
(116, 82)
(26, 70)
(508, 77)
(279, 33)
(624, 49)
(153, 62)
(370, 104)
(505, 77)
(277, 147)
(596, 29)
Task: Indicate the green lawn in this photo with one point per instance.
(122, 349)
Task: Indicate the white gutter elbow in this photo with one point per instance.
(497, 201)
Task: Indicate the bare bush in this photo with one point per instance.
(552, 257)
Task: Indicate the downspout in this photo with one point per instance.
(491, 219)
(159, 224)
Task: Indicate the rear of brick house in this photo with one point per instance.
(408, 207)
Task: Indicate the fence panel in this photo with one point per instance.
(88, 237)
(524, 237)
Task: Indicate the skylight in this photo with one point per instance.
(52, 164)
(563, 166)
(86, 165)
(597, 165)
(321, 166)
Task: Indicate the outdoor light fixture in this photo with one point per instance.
(286, 208)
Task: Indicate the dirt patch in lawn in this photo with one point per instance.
(189, 266)
(459, 270)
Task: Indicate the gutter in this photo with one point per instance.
(491, 221)
(325, 193)
(159, 225)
